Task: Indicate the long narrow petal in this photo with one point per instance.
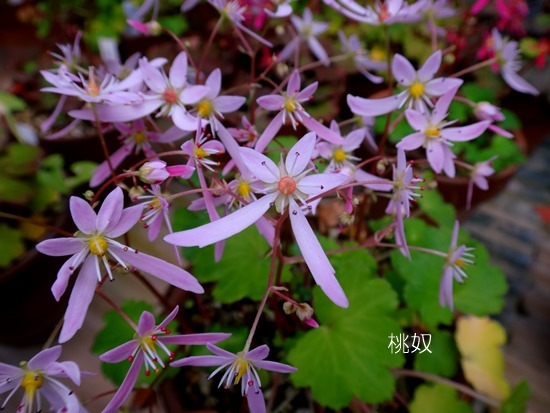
(269, 132)
(178, 71)
(152, 76)
(64, 369)
(118, 113)
(192, 339)
(260, 165)
(81, 296)
(416, 119)
(199, 361)
(169, 318)
(161, 269)
(102, 172)
(440, 85)
(227, 104)
(377, 185)
(271, 102)
(318, 183)
(220, 351)
(307, 92)
(465, 133)
(373, 107)
(255, 399)
(446, 288)
(315, 257)
(83, 215)
(259, 353)
(274, 366)
(64, 274)
(266, 229)
(518, 83)
(214, 83)
(294, 83)
(318, 50)
(299, 155)
(119, 353)
(58, 247)
(315, 126)
(127, 385)
(224, 227)
(435, 155)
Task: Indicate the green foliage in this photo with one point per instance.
(401, 129)
(443, 357)
(276, 146)
(435, 207)
(348, 354)
(11, 245)
(177, 24)
(437, 398)
(10, 102)
(480, 294)
(507, 150)
(117, 331)
(517, 401)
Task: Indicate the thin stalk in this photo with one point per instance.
(475, 67)
(33, 222)
(97, 124)
(119, 310)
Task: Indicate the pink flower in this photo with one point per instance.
(487, 111)
(284, 185)
(478, 176)
(382, 13)
(146, 349)
(92, 245)
(456, 261)
(241, 368)
(290, 107)
(39, 379)
(420, 87)
(433, 134)
(361, 59)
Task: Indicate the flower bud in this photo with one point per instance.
(289, 308)
(89, 195)
(153, 172)
(304, 312)
(487, 111)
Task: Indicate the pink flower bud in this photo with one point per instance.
(153, 172)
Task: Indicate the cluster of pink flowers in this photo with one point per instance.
(194, 105)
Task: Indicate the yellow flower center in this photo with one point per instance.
(204, 108)
(32, 380)
(416, 90)
(241, 366)
(243, 189)
(432, 132)
(286, 185)
(200, 153)
(461, 263)
(339, 155)
(148, 342)
(155, 204)
(291, 105)
(378, 54)
(139, 137)
(98, 245)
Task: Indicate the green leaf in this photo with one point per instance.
(517, 401)
(175, 23)
(348, 354)
(243, 270)
(16, 191)
(11, 245)
(11, 103)
(437, 398)
(117, 331)
(459, 111)
(476, 93)
(443, 359)
(82, 171)
(184, 219)
(435, 207)
(511, 120)
(20, 160)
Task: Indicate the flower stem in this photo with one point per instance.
(460, 387)
(33, 222)
(119, 310)
(97, 125)
(475, 67)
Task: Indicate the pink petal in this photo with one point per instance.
(416, 119)
(412, 141)
(271, 102)
(152, 76)
(465, 133)
(127, 385)
(118, 113)
(499, 131)
(435, 155)
(430, 67)
(321, 130)
(448, 163)
(169, 318)
(230, 144)
(120, 353)
(437, 87)
(194, 339)
(193, 94)
(161, 269)
(102, 172)
(64, 369)
(81, 296)
(255, 399)
(178, 71)
(319, 183)
(183, 171)
(200, 361)
(446, 288)
(259, 353)
(64, 274)
(154, 228)
(353, 140)
(183, 120)
(274, 366)
(307, 93)
(146, 323)
(266, 229)
(220, 351)
(403, 70)
(128, 218)
(294, 82)
(214, 83)
(58, 247)
(111, 210)
(227, 104)
(373, 107)
(83, 215)
(224, 227)
(516, 82)
(299, 156)
(260, 165)
(44, 358)
(318, 50)
(363, 176)
(269, 132)
(315, 257)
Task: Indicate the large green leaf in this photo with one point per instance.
(443, 359)
(348, 354)
(517, 402)
(438, 398)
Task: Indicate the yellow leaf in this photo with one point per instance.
(479, 340)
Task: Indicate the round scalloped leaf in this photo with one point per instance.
(348, 354)
(437, 398)
(443, 359)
